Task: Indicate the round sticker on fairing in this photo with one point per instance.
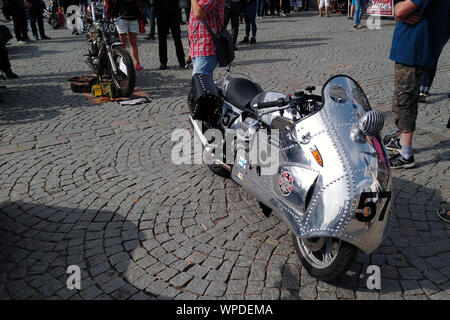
(285, 181)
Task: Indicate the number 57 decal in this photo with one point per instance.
(366, 205)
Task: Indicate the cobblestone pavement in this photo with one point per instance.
(93, 185)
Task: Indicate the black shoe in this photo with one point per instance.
(253, 40)
(398, 162)
(235, 48)
(28, 40)
(245, 40)
(11, 75)
(163, 67)
(393, 144)
(182, 65)
(443, 215)
(47, 38)
(150, 37)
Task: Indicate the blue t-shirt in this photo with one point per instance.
(420, 44)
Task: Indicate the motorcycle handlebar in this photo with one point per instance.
(277, 103)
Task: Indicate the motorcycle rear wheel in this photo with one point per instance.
(325, 258)
(124, 83)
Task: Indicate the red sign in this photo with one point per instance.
(382, 8)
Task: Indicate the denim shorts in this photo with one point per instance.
(125, 26)
(205, 65)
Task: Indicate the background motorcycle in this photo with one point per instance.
(332, 186)
(108, 59)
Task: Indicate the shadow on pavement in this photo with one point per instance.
(39, 242)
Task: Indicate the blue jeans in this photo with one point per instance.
(250, 19)
(205, 65)
(359, 8)
(260, 7)
(149, 14)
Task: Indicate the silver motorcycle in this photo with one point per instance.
(331, 181)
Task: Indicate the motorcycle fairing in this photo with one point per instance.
(330, 200)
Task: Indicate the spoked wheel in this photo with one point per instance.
(125, 80)
(325, 258)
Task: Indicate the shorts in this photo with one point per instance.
(405, 101)
(126, 26)
(324, 3)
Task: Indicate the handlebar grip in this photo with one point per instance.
(277, 103)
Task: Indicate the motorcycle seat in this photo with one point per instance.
(241, 91)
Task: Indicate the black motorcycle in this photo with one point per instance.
(107, 58)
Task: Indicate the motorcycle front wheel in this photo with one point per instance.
(325, 258)
(125, 80)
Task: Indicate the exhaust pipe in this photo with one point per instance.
(208, 147)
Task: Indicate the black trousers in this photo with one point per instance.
(35, 16)
(5, 65)
(305, 5)
(20, 24)
(274, 6)
(232, 13)
(286, 6)
(167, 16)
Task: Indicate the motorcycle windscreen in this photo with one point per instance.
(351, 196)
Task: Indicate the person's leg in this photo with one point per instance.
(163, 29)
(32, 20)
(235, 23)
(132, 38)
(404, 110)
(252, 18)
(23, 27)
(321, 5)
(16, 25)
(227, 17)
(327, 6)
(204, 65)
(123, 39)
(247, 20)
(152, 21)
(40, 23)
(176, 35)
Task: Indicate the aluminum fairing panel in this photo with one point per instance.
(347, 169)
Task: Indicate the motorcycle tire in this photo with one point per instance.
(342, 261)
(126, 87)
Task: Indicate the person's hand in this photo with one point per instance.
(413, 18)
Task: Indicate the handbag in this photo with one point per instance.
(223, 43)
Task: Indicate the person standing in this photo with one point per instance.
(232, 12)
(416, 44)
(167, 16)
(126, 14)
(34, 9)
(358, 13)
(16, 8)
(250, 21)
(202, 48)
